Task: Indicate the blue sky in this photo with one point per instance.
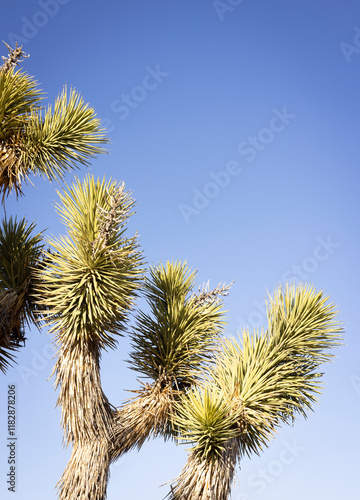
(236, 126)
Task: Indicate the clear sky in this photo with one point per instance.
(236, 126)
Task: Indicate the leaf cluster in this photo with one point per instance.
(39, 141)
(267, 378)
(93, 272)
(179, 337)
(205, 419)
(20, 254)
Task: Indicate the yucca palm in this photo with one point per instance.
(85, 292)
(224, 397)
(20, 255)
(258, 384)
(172, 346)
(35, 140)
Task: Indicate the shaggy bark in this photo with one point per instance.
(203, 479)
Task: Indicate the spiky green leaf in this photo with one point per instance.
(37, 141)
(93, 272)
(20, 255)
(179, 336)
(204, 418)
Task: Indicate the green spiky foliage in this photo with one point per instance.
(20, 255)
(179, 336)
(265, 380)
(172, 345)
(206, 420)
(275, 376)
(39, 141)
(86, 291)
(94, 270)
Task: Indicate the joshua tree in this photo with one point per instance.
(84, 292)
(225, 397)
(37, 141)
(258, 384)
(33, 141)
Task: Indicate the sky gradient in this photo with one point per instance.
(236, 126)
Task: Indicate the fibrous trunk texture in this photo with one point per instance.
(145, 416)
(10, 322)
(86, 413)
(87, 473)
(87, 420)
(98, 432)
(12, 167)
(203, 479)
(12, 318)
